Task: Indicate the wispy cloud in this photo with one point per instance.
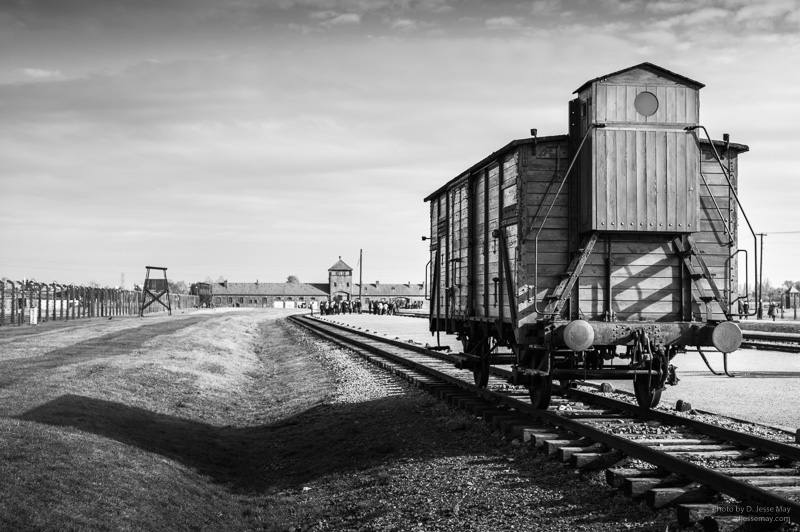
(405, 24)
(40, 73)
(343, 20)
(503, 23)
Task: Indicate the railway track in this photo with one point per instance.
(710, 474)
(786, 342)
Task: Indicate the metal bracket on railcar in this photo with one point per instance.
(708, 365)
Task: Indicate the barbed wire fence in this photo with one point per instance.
(29, 302)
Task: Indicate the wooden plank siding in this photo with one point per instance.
(487, 286)
(545, 268)
(645, 279)
(459, 241)
(478, 247)
(640, 172)
(509, 223)
(643, 181)
(712, 240)
(472, 208)
(613, 103)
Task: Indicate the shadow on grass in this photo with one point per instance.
(113, 344)
(320, 440)
(275, 461)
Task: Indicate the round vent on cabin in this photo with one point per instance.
(646, 103)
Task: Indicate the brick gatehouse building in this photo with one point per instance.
(340, 286)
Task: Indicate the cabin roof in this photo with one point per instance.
(720, 145)
(486, 160)
(650, 67)
(271, 289)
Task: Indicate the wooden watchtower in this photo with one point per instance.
(154, 289)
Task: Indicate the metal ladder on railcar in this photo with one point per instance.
(560, 294)
(698, 275)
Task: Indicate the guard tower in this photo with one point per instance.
(340, 281)
(204, 293)
(154, 290)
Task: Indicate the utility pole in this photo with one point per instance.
(360, 284)
(760, 303)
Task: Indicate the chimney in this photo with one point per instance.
(377, 283)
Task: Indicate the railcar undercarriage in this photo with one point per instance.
(559, 353)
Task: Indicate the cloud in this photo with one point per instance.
(405, 24)
(40, 74)
(670, 6)
(323, 15)
(434, 6)
(343, 20)
(301, 28)
(503, 23)
(766, 10)
(546, 7)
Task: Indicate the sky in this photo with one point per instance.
(257, 139)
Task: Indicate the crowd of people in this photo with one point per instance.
(772, 311)
(371, 307)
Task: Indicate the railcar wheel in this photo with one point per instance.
(541, 390)
(564, 386)
(480, 371)
(645, 388)
(541, 387)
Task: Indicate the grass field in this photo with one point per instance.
(160, 423)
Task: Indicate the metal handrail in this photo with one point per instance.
(536, 310)
(726, 174)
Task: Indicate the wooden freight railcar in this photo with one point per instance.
(616, 241)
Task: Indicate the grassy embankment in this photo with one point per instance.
(152, 424)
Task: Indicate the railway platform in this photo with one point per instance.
(763, 390)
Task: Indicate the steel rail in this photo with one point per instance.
(771, 336)
(740, 490)
(776, 341)
(789, 451)
(767, 346)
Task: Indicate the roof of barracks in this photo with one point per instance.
(319, 290)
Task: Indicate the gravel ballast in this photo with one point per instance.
(383, 455)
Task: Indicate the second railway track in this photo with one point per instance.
(707, 472)
(772, 341)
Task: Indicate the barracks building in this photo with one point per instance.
(340, 286)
